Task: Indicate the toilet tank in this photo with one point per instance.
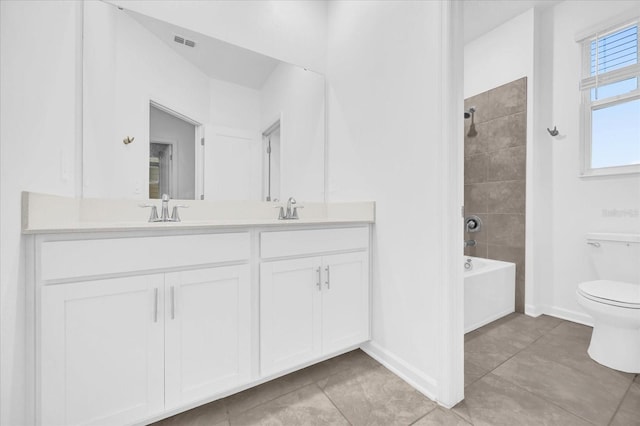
(615, 256)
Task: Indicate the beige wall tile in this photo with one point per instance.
(476, 198)
(475, 169)
(507, 164)
(504, 196)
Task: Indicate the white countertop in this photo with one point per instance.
(45, 214)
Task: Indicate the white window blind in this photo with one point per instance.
(610, 86)
(612, 57)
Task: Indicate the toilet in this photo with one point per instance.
(613, 300)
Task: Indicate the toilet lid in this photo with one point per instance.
(613, 292)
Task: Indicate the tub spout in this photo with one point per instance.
(469, 243)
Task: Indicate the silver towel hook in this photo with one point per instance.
(553, 132)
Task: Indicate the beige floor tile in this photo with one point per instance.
(539, 325)
(490, 350)
(496, 402)
(214, 413)
(304, 406)
(571, 350)
(592, 398)
(629, 412)
(505, 319)
(441, 417)
(353, 361)
(574, 330)
(462, 410)
(268, 391)
(376, 397)
(472, 372)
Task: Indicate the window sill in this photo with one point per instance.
(611, 171)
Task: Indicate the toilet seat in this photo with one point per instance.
(614, 293)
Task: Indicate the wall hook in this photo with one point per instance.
(127, 140)
(553, 132)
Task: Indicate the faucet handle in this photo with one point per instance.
(175, 217)
(294, 215)
(153, 216)
(281, 215)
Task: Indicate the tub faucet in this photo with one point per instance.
(469, 243)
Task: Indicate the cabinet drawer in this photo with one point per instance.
(83, 258)
(304, 242)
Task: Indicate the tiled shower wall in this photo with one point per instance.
(494, 176)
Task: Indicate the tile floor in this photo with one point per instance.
(518, 371)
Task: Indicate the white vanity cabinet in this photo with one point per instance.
(207, 332)
(119, 350)
(312, 306)
(130, 327)
(102, 351)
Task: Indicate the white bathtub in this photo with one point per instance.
(489, 291)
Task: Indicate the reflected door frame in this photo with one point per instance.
(199, 144)
(173, 176)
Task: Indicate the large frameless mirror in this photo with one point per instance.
(169, 110)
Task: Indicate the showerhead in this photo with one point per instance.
(468, 113)
(472, 128)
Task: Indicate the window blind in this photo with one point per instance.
(613, 56)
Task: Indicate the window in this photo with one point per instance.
(611, 102)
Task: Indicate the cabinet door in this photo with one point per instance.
(208, 324)
(290, 296)
(102, 353)
(345, 301)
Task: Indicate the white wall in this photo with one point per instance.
(384, 144)
(234, 106)
(500, 56)
(578, 203)
(39, 42)
(296, 97)
(292, 31)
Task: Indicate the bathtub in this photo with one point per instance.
(489, 291)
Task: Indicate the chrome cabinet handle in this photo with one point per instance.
(328, 282)
(319, 279)
(173, 303)
(155, 304)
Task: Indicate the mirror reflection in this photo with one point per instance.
(209, 120)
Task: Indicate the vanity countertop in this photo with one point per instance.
(50, 214)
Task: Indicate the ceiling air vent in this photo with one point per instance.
(182, 40)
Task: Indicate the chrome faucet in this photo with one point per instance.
(164, 215)
(469, 243)
(291, 212)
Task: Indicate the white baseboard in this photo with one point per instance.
(569, 315)
(533, 311)
(554, 311)
(423, 383)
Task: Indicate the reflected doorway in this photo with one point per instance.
(271, 163)
(172, 154)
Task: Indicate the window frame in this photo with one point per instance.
(588, 106)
